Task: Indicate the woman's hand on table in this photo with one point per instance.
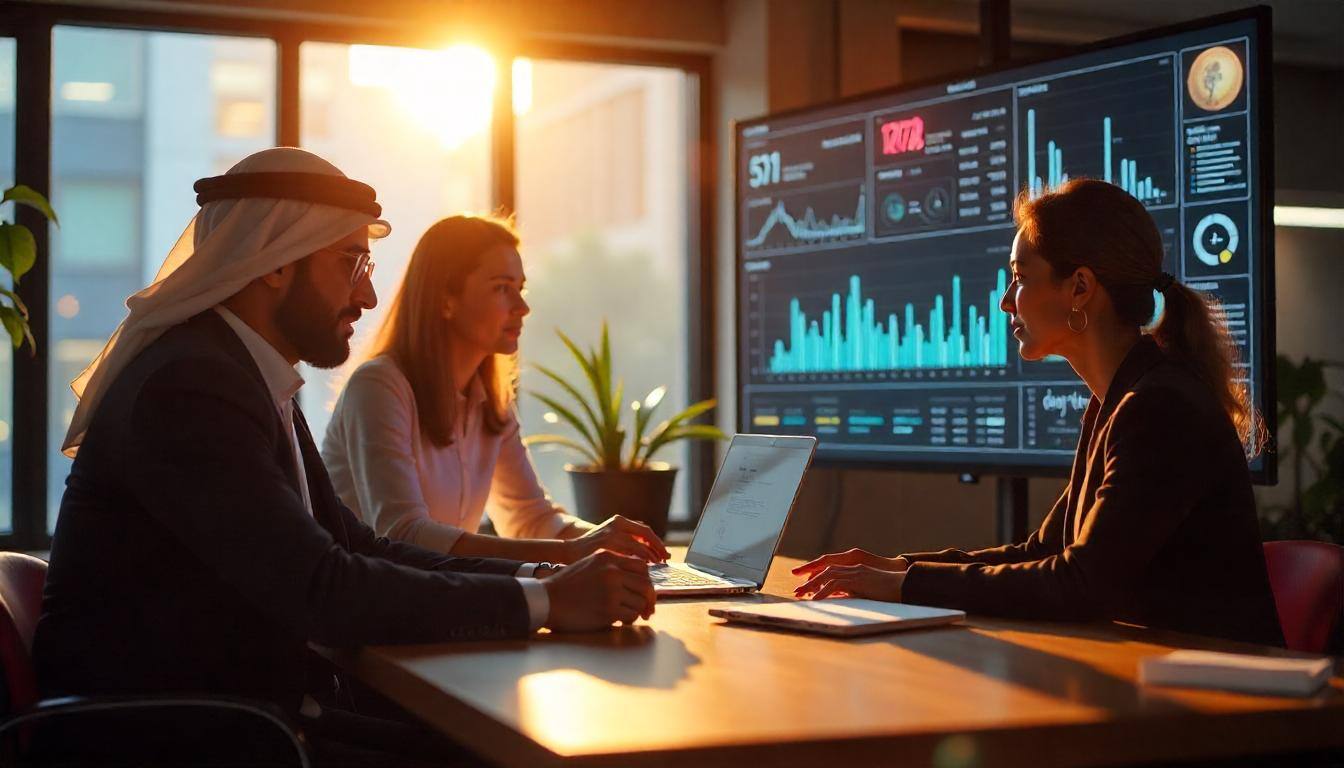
(853, 581)
(618, 534)
(852, 557)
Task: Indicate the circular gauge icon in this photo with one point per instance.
(1216, 239)
(894, 207)
(936, 204)
(1215, 78)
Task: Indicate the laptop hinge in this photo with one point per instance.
(710, 571)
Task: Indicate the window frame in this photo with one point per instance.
(31, 26)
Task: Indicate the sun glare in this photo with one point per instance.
(448, 92)
(522, 86)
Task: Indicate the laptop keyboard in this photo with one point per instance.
(676, 577)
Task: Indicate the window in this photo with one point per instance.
(137, 117)
(7, 66)
(601, 158)
(108, 236)
(414, 124)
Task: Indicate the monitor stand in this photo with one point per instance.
(1010, 519)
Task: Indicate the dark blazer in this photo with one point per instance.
(184, 560)
(1156, 527)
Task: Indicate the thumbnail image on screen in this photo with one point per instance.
(873, 239)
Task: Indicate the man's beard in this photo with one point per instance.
(311, 327)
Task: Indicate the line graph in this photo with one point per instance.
(807, 219)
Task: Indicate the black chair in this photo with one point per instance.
(141, 730)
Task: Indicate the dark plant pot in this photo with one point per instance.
(644, 495)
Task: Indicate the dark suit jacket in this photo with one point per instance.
(1156, 527)
(184, 560)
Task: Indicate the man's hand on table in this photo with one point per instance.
(598, 591)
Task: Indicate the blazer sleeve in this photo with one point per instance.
(376, 417)
(200, 460)
(1146, 492)
(1044, 541)
(364, 541)
(519, 506)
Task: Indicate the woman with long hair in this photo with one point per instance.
(1157, 525)
(425, 435)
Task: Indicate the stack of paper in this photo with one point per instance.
(1236, 672)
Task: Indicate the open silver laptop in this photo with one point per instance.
(743, 518)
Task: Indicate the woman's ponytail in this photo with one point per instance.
(1191, 332)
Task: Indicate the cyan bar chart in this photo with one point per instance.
(850, 336)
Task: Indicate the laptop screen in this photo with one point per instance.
(749, 504)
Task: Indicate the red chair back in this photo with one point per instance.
(1307, 578)
(21, 581)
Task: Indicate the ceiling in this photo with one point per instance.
(1305, 31)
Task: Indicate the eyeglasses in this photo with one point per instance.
(363, 268)
(364, 264)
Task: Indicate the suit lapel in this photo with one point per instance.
(210, 323)
(326, 509)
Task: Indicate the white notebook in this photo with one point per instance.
(844, 617)
(1236, 672)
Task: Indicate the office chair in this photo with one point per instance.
(201, 730)
(1307, 578)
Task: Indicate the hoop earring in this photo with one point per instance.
(1069, 321)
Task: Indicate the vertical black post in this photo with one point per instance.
(995, 48)
(287, 129)
(502, 136)
(700, 267)
(1010, 522)
(32, 166)
(996, 35)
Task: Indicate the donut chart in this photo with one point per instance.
(1216, 239)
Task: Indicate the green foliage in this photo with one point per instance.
(18, 254)
(1315, 448)
(596, 417)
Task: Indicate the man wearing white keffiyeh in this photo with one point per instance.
(199, 537)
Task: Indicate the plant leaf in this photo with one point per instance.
(574, 393)
(596, 364)
(18, 303)
(15, 325)
(642, 417)
(562, 441)
(684, 432)
(618, 435)
(694, 410)
(18, 249)
(655, 397)
(590, 370)
(569, 417)
(690, 412)
(603, 361)
(23, 194)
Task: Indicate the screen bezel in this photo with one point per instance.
(1258, 159)
(783, 442)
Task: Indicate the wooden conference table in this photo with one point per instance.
(686, 689)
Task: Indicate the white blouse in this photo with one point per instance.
(408, 489)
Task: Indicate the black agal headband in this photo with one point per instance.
(336, 191)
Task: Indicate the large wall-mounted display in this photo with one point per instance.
(873, 238)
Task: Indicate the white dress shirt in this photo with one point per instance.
(284, 382)
(409, 489)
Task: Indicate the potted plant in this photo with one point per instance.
(616, 476)
(1313, 453)
(18, 253)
